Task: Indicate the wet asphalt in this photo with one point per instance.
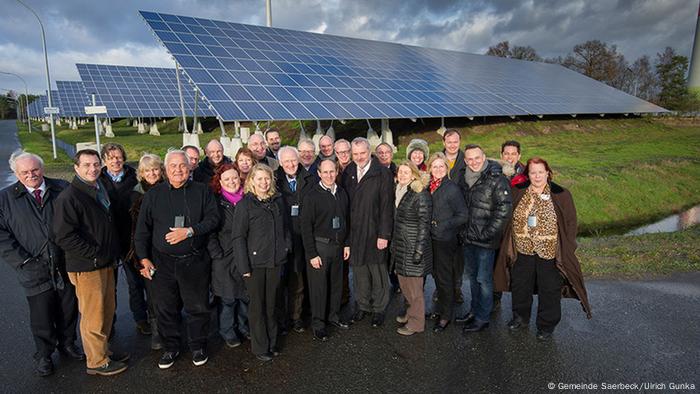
(642, 332)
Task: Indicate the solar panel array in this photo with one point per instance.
(34, 108)
(73, 98)
(258, 73)
(129, 91)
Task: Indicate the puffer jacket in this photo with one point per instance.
(411, 251)
(449, 211)
(489, 207)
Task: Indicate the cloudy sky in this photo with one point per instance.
(112, 32)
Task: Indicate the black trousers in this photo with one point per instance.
(326, 285)
(182, 283)
(527, 272)
(371, 285)
(138, 303)
(262, 288)
(290, 296)
(447, 266)
(53, 317)
(459, 274)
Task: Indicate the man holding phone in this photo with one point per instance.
(170, 241)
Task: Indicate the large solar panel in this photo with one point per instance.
(258, 73)
(129, 91)
(73, 98)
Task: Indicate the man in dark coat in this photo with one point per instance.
(370, 187)
(214, 157)
(119, 180)
(84, 227)
(256, 144)
(170, 241)
(293, 182)
(26, 212)
(489, 206)
(385, 155)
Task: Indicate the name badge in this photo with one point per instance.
(336, 223)
(179, 221)
(532, 221)
(295, 210)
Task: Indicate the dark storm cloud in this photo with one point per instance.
(112, 32)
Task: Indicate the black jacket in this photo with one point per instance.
(26, 237)
(411, 250)
(321, 206)
(305, 182)
(205, 170)
(120, 197)
(161, 204)
(371, 211)
(226, 280)
(458, 167)
(85, 229)
(449, 211)
(489, 207)
(260, 233)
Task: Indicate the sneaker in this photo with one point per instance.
(233, 343)
(199, 357)
(468, 318)
(265, 357)
(402, 319)
(167, 360)
(405, 331)
(143, 327)
(108, 369)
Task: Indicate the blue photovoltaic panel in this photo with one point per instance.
(129, 91)
(73, 98)
(258, 73)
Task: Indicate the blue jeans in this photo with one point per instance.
(478, 265)
(233, 319)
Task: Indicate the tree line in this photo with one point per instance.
(661, 81)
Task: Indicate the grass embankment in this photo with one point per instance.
(622, 172)
(641, 255)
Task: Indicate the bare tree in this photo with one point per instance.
(502, 49)
(598, 61)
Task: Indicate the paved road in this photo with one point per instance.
(642, 331)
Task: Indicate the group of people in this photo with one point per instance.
(269, 237)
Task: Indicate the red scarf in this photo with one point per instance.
(434, 184)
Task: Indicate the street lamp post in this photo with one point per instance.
(48, 78)
(26, 96)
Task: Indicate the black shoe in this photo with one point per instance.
(516, 323)
(44, 366)
(340, 325)
(358, 316)
(120, 357)
(468, 318)
(72, 351)
(276, 352)
(167, 360)
(298, 326)
(321, 335)
(459, 299)
(475, 326)
(434, 316)
(143, 327)
(199, 357)
(283, 330)
(265, 357)
(377, 320)
(440, 326)
(109, 369)
(543, 336)
(232, 343)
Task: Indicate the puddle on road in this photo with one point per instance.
(672, 223)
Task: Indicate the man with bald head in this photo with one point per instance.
(214, 152)
(257, 145)
(26, 213)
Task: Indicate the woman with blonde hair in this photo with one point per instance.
(449, 215)
(261, 241)
(411, 253)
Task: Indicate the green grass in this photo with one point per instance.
(622, 172)
(641, 255)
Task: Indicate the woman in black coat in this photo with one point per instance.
(261, 242)
(411, 253)
(226, 280)
(449, 215)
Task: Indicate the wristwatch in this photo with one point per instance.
(190, 233)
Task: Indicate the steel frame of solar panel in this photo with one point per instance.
(73, 98)
(129, 91)
(259, 73)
